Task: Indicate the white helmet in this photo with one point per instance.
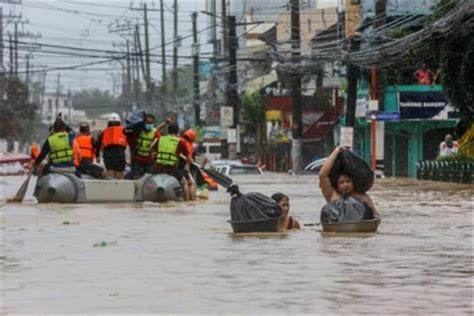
(114, 117)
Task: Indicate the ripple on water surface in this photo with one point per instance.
(183, 258)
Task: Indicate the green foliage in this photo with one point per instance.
(17, 113)
(253, 109)
(185, 83)
(457, 63)
(456, 157)
(95, 102)
(253, 113)
(452, 54)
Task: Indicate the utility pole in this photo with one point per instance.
(175, 49)
(377, 93)
(27, 80)
(197, 106)
(136, 81)
(43, 90)
(147, 53)
(353, 74)
(138, 47)
(16, 49)
(129, 79)
(232, 93)
(225, 25)
(296, 147)
(3, 69)
(224, 55)
(56, 103)
(215, 53)
(163, 51)
(12, 63)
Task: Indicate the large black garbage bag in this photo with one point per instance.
(346, 209)
(348, 161)
(135, 121)
(253, 206)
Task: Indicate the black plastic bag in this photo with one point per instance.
(135, 121)
(346, 209)
(350, 162)
(253, 206)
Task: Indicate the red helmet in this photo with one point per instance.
(190, 134)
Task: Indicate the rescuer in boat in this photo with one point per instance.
(61, 147)
(113, 143)
(189, 171)
(142, 159)
(168, 149)
(343, 187)
(87, 146)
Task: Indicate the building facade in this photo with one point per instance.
(53, 104)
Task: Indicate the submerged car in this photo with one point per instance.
(238, 169)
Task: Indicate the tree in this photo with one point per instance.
(254, 111)
(457, 66)
(95, 102)
(452, 53)
(17, 113)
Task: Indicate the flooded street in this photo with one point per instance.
(182, 257)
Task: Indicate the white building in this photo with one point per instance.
(54, 104)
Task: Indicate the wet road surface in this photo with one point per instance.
(182, 258)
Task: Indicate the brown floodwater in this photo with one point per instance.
(183, 258)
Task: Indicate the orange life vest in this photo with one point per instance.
(85, 144)
(189, 145)
(113, 135)
(34, 151)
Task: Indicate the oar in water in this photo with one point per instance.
(221, 179)
(20, 195)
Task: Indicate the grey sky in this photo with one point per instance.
(86, 24)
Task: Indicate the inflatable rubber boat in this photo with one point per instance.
(68, 188)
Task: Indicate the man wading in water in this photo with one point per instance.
(343, 186)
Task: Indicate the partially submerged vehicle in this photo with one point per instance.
(68, 188)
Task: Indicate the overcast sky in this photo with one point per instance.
(86, 24)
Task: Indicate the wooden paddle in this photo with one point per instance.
(20, 195)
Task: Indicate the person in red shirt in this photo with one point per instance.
(168, 149)
(287, 222)
(424, 75)
(113, 143)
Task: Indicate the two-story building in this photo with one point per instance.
(53, 104)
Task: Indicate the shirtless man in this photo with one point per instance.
(344, 185)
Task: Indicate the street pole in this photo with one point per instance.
(147, 55)
(225, 25)
(129, 79)
(378, 95)
(373, 119)
(197, 107)
(232, 93)
(16, 49)
(352, 78)
(12, 63)
(175, 49)
(56, 103)
(140, 52)
(224, 55)
(163, 51)
(3, 69)
(215, 53)
(296, 86)
(27, 80)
